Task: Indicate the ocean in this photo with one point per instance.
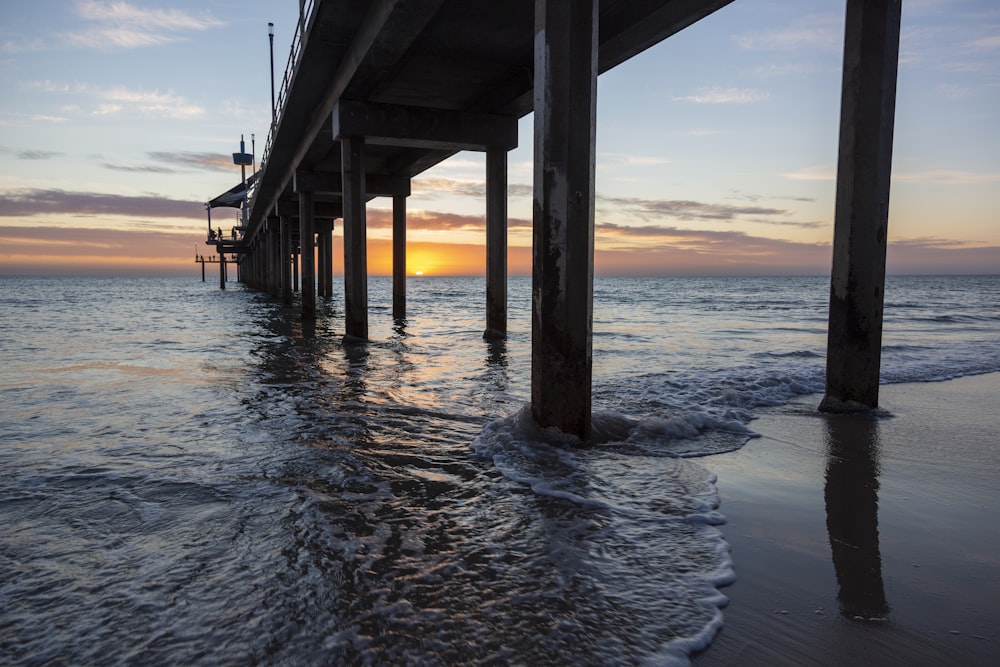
(196, 476)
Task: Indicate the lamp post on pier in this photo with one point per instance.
(270, 37)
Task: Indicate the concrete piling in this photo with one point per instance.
(355, 241)
(868, 102)
(565, 103)
(399, 257)
(308, 290)
(496, 242)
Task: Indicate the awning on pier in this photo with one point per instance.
(235, 196)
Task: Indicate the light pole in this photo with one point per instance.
(270, 37)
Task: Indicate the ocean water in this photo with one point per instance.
(192, 476)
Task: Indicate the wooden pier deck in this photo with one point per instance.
(378, 91)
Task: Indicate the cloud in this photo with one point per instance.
(214, 161)
(38, 155)
(774, 71)
(931, 177)
(22, 46)
(125, 26)
(139, 169)
(26, 202)
(947, 177)
(436, 221)
(146, 103)
(119, 100)
(690, 210)
(725, 96)
(816, 173)
(990, 43)
(632, 160)
(76, 250)
(821, 32)
(433, 186)
(9, 119)
(428, 187)
(184, 161)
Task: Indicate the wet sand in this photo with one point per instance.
(866, 541)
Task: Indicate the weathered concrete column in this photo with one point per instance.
(295, 269)
(868, 103)
(276, 254)
(399, 257)
(355, 240)
(222, 269)
(273, 257)
(565, 102)
(286, 267)
(496, 242)
(308, 255)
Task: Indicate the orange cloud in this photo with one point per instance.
(621, 250)
(67, 251)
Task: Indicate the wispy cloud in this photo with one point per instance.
(632, 160)
(437, 221)
(12, 47)
(816, 173)
(38, 155)
(785, 70)
(818, 32)
(119, 100)
(687, 210)
(428, 187)
(125, 26)
(725, 96)
(929, 177)
(146, 103)
(139, 169)
(7, 118)
(28, 202)
(947, 177)
(991, 43)
(78, 250)
(213, 161)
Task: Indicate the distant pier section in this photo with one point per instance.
(376, 92)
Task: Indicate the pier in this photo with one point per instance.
(378, 91)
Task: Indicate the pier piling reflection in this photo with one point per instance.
(851, 495)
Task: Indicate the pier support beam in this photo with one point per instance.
(273, 243)
(868, 102)
(565, 103)
(308, 255)
(222, 269)
(496, 242)
(399, 257)
(286, 260)
(355, 238)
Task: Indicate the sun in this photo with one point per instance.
(418, 273)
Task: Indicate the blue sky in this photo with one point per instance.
(716, 148)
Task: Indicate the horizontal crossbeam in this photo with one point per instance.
(422, 127)
(332, 183)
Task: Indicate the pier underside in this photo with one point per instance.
(379, 91)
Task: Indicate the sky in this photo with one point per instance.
(716, 149)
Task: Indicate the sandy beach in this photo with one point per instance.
(866, 541)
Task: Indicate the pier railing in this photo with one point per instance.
(306, 11)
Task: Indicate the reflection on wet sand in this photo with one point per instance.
(851, 494)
